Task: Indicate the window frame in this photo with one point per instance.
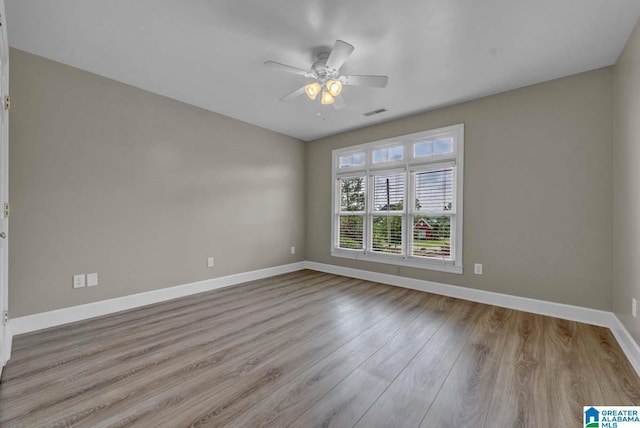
(410, 165)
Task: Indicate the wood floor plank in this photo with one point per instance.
(286, 404)
(129, 318)
(164, 319)
(93, 353)
(405, 402)
(345, 404)
(520, 394)
(243, 376)
(619, 383)
(246, 391)
(203, 358)
(463, 400)
(314, 349)
(569, 373)
(164, 363)
(168, 324)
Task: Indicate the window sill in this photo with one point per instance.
(391, 260)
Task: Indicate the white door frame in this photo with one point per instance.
(5, 334)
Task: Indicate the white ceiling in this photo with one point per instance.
(209, 53)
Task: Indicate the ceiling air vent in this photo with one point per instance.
(372, 112)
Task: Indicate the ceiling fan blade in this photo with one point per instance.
(339, 54)
(287, 68)
(372, 81)
(339, 103)
(293, 94)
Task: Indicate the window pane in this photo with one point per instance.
(424, 148)
(388, 192)
(358, 159)
(388, 154)
(433, 147)
(351, 232)
(396, 153)
(432, 237)
(352, 192)
(443, 145)
(380, 155)
(434, 190)
(345, 161)
(349, 161)
(387, 234)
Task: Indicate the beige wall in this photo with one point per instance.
(111, 179)
(537, 201)
(626, 183)
(142, 189)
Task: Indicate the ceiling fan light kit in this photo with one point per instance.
(312, 90)
(334, 87)
(327, 98)
(328, 80)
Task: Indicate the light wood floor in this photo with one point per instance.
(311, 349)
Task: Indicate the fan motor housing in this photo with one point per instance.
(320, 68)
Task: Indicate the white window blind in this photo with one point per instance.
(351, 213)
(387, 213)
(433, 214)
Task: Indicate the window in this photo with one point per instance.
(399, 201)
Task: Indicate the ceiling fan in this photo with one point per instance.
(328, 81)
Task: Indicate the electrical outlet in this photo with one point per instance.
(78, 281)
(477, 268)
(634, 306)
(293, 250)
(210, 262)
(92, 279)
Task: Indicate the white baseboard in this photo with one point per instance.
(48, 319)
(558, 310)
(9, 343)
(44, 320)
(629, 346)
